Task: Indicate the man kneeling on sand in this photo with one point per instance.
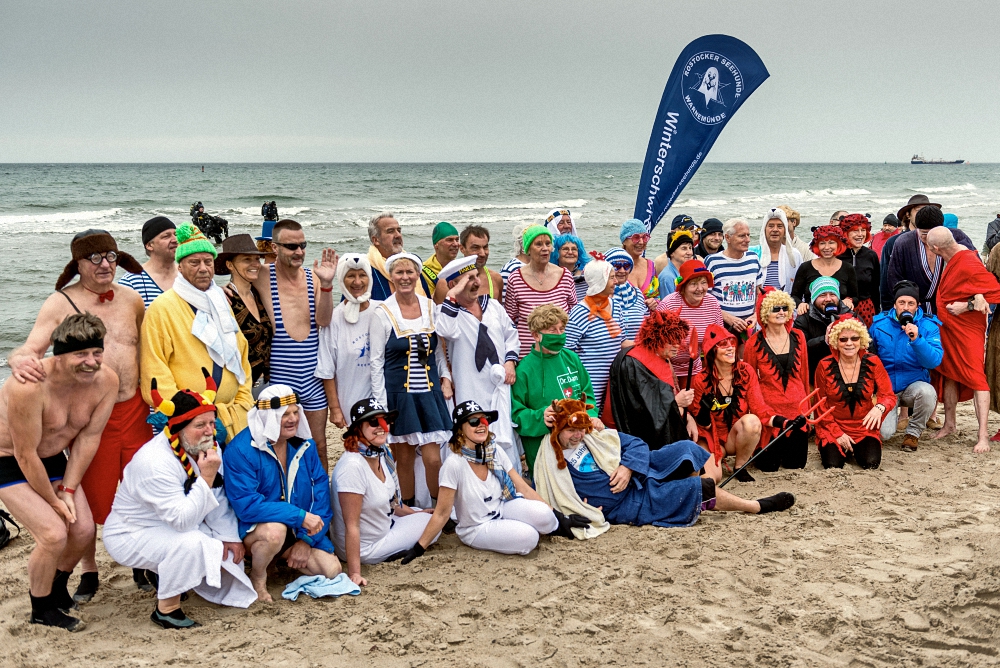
(279, 490)
(171, 516)
(67, 408)
(611, 477)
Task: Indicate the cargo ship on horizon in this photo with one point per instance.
(920, 160)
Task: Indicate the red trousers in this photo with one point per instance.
(124, 434)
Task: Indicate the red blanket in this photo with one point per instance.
(963, 337)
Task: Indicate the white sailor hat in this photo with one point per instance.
(457, 267)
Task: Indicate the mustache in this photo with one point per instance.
(88, 367)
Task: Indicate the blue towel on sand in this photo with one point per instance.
(317, 586)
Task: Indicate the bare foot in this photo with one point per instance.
(981, 447)
(946, 430)
(262, 595)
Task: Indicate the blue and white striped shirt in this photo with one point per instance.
(736, 282)
(143, 284)
(592, 342)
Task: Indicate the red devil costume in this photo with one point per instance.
(715, 412)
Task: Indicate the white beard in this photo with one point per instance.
(199, 446)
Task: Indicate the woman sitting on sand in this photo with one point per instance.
(728, 405)
(780, 358)
(857, 388)
(370, 522)
(610, 477)
(496, 509)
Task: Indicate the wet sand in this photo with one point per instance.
(894, 567)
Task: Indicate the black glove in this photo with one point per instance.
(780, 423)
(799, 423)
(574, 521)
(416, 551)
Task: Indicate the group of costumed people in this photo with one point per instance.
(565, 393)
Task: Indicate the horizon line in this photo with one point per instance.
(467, 162)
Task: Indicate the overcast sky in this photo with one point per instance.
(221, 81)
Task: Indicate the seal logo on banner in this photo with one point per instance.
(712, 84)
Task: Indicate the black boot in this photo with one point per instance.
(45, 612)
(89, 584)
(141, 581)
(60, 593)
(172, 620)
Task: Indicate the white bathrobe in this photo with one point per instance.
(154, 525)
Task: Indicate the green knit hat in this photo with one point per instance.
(443, 230)
(190, 240)
(531, 234)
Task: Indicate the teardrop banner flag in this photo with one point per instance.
(712, 77)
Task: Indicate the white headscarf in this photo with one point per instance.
(789, 258)
(597, 273)
(265, 423)
(553, 219)
(352, 304)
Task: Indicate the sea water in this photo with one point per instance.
(42, 206)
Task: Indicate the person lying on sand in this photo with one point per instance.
(610, 477)
(496, 509)
(370, 521)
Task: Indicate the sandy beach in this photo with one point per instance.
(894, 567)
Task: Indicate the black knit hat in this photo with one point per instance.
(890, 219)
(711, 225)
(928, 218)
(153, 227)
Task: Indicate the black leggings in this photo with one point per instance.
(790, 452)
(867, 453)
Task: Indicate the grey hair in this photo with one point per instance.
(373, 230)
(729, 227)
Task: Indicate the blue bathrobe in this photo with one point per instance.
(661, 492)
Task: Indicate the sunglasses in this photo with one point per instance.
(639, 238)
(293, 247)
(852, 339)
(374, 422)
(619, 266)
(779, 309)
(97, 258)
(476, 421)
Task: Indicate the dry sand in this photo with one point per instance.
(895, 567)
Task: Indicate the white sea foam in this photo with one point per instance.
(943, 189)
(60, 217)
(545, 207)
(700, 203)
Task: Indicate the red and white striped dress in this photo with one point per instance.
(701, 317)
(520, 299)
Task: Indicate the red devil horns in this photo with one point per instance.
(597, 256)
(209, 381)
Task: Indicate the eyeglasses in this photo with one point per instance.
(619, 266)
(476, 421)
(294, 247)
(97, 258)
(852, 339)
(779, 309)
(639, 238)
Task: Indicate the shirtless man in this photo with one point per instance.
(159, 238)
(297, 311)
(67, 408)
(475, 240)
(121, 310)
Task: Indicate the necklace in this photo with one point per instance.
(780, 349)
(853, 375)
(535, 277)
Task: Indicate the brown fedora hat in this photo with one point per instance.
(238, 244)
(916, 200)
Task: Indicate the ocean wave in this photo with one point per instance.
(943, 189)
(470, 208)
(283, 212)
(61, 217)
(701, 203)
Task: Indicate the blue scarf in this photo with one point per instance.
(485, 455)
(370, 451)
(627, 295)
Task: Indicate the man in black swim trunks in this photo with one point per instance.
(40, 488)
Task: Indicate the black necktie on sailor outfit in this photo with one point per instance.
(485, 350)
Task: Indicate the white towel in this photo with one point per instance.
(214, 325)
(555, 485)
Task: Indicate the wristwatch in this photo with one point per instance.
(972, 303)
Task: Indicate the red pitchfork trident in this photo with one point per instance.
(804, 410)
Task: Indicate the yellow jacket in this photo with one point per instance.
(172, 355)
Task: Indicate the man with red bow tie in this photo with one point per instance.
(95, 259)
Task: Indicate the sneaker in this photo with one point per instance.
(910, 443)
(172, 620)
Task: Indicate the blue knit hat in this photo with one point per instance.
(616, 255)
(630, 227)
(822, 285)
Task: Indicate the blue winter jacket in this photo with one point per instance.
(259, 491)
(907, 361)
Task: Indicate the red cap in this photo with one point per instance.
(714, 335)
